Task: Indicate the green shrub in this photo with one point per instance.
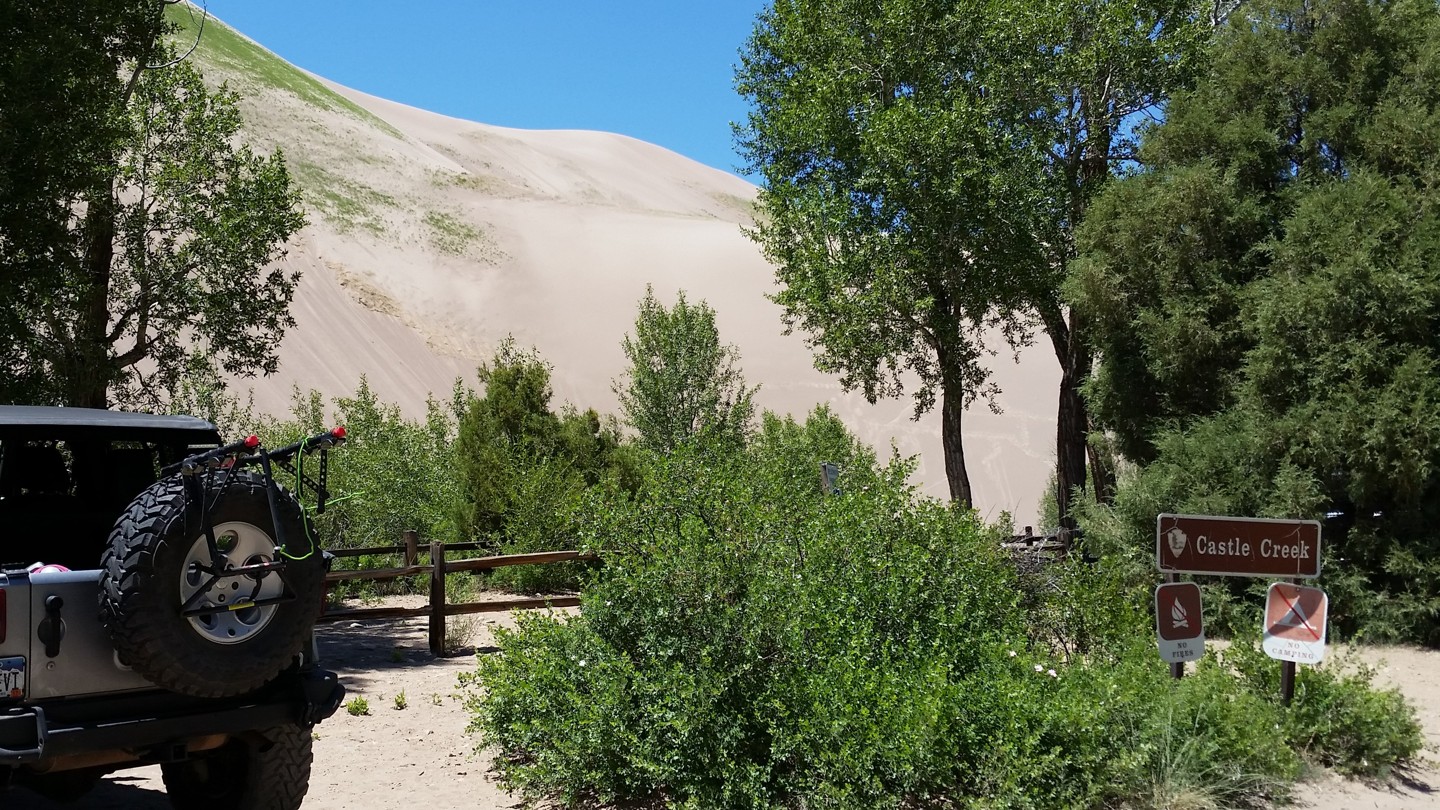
(752, 643)
(392, 474)
(524, 469)
(1338, 717)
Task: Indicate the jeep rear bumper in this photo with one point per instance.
(149, 726)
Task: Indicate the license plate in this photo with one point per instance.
(12, 678)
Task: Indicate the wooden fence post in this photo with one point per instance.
(437, 599)
(412, 546)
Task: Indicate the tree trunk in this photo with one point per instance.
(1072, 425)
(1102, 474)
(952, 411)
(90, 376)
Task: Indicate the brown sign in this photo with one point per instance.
(1231, 546)
(1178, 624)
(1177, 611)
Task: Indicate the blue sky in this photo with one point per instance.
(658, 70)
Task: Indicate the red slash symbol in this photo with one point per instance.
(1304, 620)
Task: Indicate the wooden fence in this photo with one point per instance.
(437, 567)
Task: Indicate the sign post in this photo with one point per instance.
(1244, 547)
(1295, 619)
(1179, 626)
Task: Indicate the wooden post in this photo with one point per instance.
(1287, 672)
(437, 599)
(1177, 669)
(412, 546)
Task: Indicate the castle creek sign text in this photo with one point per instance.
(1247, 547)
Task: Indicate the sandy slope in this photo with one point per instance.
(432, 238)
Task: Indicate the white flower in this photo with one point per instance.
(1051, 673)
(582, 662)
(1012, 653)
(1039, 668)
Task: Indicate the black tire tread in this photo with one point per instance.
(269, 770)
(126, 606)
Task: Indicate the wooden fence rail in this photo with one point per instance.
(437, 608)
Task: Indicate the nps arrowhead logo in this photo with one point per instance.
(1177, 540)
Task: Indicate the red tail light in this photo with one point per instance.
(338, 432)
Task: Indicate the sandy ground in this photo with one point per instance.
(421, 757)
(1416, 673)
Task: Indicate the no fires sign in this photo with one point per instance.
(1178, 626)
(1295, 623)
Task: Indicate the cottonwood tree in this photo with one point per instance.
(924, 165)
(60, 77)
(682, 382)
(165, 243)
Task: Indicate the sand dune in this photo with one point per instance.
(431, 239)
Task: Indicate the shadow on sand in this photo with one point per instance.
(118, 791)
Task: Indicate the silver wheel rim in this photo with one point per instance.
(243, 544)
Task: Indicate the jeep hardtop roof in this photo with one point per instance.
(46, 416)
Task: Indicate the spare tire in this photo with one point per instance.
(151, 568)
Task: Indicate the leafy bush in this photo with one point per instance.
(524, 469)
(754, 643)
(682, 382)
(393, 473)
(1338, 717)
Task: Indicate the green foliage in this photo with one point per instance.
(753, 643)
(392, 474)
(451, 234)
(924, 166)
(260, 69)
(172, 249)
(682, 382)
(357, 706)
(200, 391)
(1339, 718)
(524, 470)
(64, 69)
(1266, 297)
(401, 702)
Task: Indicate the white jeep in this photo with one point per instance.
(158, 593)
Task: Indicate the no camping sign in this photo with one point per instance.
(1295, 623)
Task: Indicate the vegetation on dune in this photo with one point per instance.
(450, 234)
(347, 203)
(249, 64)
